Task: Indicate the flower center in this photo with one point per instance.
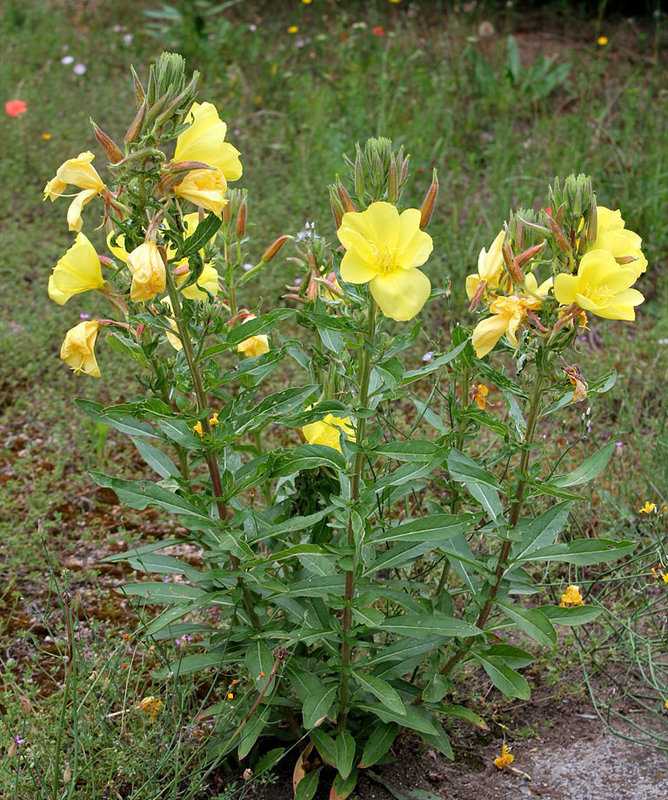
(599, 294)
(385, 258)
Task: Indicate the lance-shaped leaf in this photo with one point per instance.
(589, 469)
(419, 625)
(379, 742)
(511, 683)
(534, 623)
(480, 483)
(382, 690)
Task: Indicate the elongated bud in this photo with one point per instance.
(337, 208)
(512, 269)
(135, 125)
(519, 233)
(344, 197)
(227, 213)
(107, 143)
(241, 219)
(527, 255)
(592, 224)
(429, 202)
(140, 94)
(393, 182)
(358, 173)
(273, 249)
(559, 235)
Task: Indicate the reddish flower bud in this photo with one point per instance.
(135, 125)
(108, 144)
(527, 255)
(345, 198)
(273, 249)
(429, 202)
(241, 219)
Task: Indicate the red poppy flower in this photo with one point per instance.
(343, 37)
(378, 30)
(15, 107)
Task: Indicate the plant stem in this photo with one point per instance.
(365, 375)
(485, 611)
(211, 461)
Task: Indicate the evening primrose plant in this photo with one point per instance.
(367, 528)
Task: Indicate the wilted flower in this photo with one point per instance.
(78, 348)
(571, 597)
(505, 759)
(204, 188)
(148, 272)
(151, 706)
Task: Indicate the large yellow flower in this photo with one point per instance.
(327, 431)
(384, 249)
(204, 188)
(613, 236)
(207, 280)
(204, 140)
(148, 272)
(601, 286)
(490, 268)
(78, 172)
(78, 349)
(508, 313)
(77, 271)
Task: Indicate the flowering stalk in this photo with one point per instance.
(365, 375)
(211, 461)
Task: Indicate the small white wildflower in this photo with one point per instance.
(428, 356)
(127, 38)
(67, 60)
(247, 266)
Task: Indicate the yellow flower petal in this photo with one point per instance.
(148, 272)
(77, 271)
(78, 348)
(401, 294)
(204, 188)
(204, 140)
(74, 221)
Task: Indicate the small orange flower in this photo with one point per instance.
(505, 759)
(293, 29)
(571, 597)
(151, 706)
(480, 396)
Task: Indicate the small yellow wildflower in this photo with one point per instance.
(505, 759)
(480, 396)
(293, 29)
(602, 41)
(648, 508)
(666, 705)
(46, 136)
(665, 577)
(151, 706)
(571, 597)
(230, 695)
(307, 2)
(214, 420)
(198, 429)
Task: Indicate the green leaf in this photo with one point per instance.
(506, 680)
(160, 592)
(589, 469)
(379, 742)
(382, 690)
(408, 450)
(308, 786)
(480, 483)
(326, 746)
(308, 456)
(343, 788)
(572, 617)
(317, 705)
(418, 626)
(252, 732)
(431, 528)
(121, 422)
(404, 651)
(542, 531)
(127, 346)
(176, 430)
(461, 712)
(259, 660)
(415, 374)
(291, 552)
(255, 327)
(416, 717)
(201, 236)
(189, 664)
(345, 754)
(583, 552)
(156, 459)
(532, 622)
(440, 741)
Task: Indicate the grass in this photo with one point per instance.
(496, 129)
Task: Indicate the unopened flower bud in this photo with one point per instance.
(107, 143)
(559, 235)
(337, 208)
(274, 248)
(393, 183)
(140, 94)
(248, 774)
(526, 255)
(227, 213)
(344, 197)
(592, 224)
(359, 174)
(135, 125)
(67, 773)
(516, 274)
(429, 202)
(241, 219)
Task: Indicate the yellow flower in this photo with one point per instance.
(665, 577)
(648, 508)
(602, 41)
(148, 272)
(46, 136)
(327, 431)
(490, 269)
(117, 246)
(172, 338)
(666, 704)
(77, 271)
(214, 419)
(480, 396)
(612, 235)
(78, 349)
(204, 188)
(505, 759)
(507, 315)
(384, 250)
(293, 29)
(81, 173)
(571, 597)
(533, 289)
(207, 280)
(204, 140)
(254, 345)
(197, 427)
(601, 286)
